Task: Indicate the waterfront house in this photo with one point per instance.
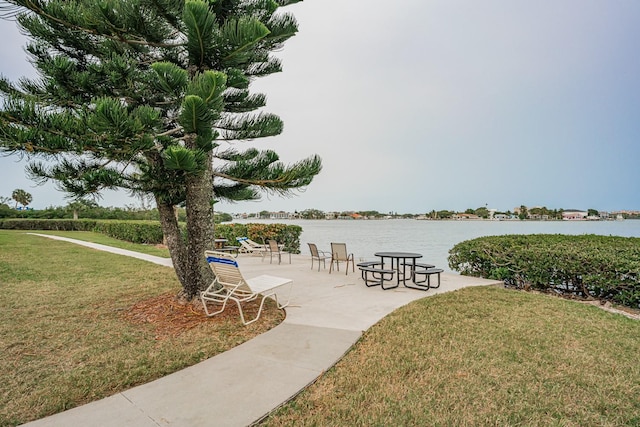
(465, 216)
(574, 215)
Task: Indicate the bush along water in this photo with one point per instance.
(286, 234)
(586, 266)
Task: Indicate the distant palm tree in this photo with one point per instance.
(22, 197)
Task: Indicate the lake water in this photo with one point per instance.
(433, 239)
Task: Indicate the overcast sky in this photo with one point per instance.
(418, 105)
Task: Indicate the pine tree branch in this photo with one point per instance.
(258, 182)
(171, 132)
(32, 6)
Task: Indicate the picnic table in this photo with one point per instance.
(404, 266)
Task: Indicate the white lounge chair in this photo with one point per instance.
(256, 244)
(230, 285)
(248, 246)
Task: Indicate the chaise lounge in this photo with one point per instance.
(230, 285)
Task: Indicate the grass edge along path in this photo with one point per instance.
(66, 334)
(90, 236)
(482, 356)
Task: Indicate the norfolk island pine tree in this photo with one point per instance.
(149, 96)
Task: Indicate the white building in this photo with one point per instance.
(574, 215)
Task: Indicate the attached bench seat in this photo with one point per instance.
(378, 275)
(366, 264)
(419, 265)
(427, 273)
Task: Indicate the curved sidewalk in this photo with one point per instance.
(326, 317)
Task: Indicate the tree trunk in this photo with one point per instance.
(188, 257)
(199, 231)
(173, 237)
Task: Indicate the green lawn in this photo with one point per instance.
(475, 357)
(89, 236)
(482, 357)
(65, 338)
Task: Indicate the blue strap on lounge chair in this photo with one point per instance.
(247, 246)
(222, 260)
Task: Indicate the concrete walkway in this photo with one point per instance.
(326, 317)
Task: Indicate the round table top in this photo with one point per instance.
(398, 255)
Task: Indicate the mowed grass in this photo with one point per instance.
(64, 336)
(482, 357)
(89, 236)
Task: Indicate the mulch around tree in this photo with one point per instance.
(171, 315)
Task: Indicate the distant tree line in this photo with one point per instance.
(482, 212)
(91, 210)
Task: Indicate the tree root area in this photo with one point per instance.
(171, 315)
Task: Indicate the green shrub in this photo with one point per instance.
(282, 233)
(131, 231)
(48, 224)
(149, 232)
(590, 266)
(6, 211)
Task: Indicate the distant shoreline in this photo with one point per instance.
(435, 219)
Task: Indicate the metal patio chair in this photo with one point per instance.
(318, 255)
(339, 254)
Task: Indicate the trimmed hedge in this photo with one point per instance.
(48, 224)
(150, 232)
(145, 232)
(589, 266)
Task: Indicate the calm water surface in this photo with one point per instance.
(433, 239)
